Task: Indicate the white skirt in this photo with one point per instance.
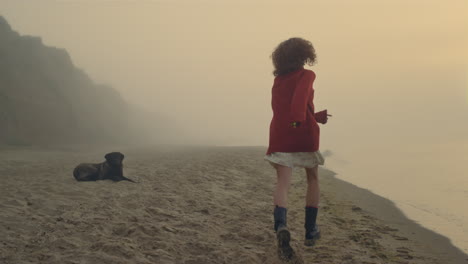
(296, 159)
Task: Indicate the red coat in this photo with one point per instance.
(292, 100)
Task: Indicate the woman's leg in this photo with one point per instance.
(280, 198)
(313, 189)
(283, 182)
(312, 233)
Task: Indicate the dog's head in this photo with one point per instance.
(114, 158)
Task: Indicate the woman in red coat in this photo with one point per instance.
(294, 134)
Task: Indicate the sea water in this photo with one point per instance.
(428, 182)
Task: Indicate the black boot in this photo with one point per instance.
(279, 215)
(312, 232)
(282, 233)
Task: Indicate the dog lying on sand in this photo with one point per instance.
(111, 169)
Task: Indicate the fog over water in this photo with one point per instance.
(394, 74)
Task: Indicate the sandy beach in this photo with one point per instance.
(191, 205)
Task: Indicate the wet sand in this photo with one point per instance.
(191, 205)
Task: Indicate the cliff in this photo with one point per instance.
(45, 98)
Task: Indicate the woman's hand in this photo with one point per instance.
(322, 116)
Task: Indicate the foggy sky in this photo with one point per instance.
(388, 71)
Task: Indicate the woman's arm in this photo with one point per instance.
(301, 96)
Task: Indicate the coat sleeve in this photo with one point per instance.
(301, 96)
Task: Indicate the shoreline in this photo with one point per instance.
(192, 205)
(421, 239)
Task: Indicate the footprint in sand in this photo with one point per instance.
(338, 221)
(405, 256)
(385, 229)
(404, 250)
(404, 253)
(400, 237)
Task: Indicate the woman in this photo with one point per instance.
(294, 134)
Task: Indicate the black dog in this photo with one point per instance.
(111, 169)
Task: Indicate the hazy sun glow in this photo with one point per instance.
(208, 62)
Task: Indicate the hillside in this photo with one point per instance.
(45, 98)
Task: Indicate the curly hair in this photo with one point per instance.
(291, 55)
